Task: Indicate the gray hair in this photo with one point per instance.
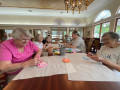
(18, 31)
(113, 35)
(38, 36)
(75, 32)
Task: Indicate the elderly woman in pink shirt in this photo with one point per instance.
(17, 53)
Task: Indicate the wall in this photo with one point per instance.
(113, 7)
(38, 20)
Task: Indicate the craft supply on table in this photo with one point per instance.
(86, 58)
(66, 60)
(42, 64)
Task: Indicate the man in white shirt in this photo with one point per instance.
(77, 42)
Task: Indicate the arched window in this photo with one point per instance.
(104, 14)
(118, 11)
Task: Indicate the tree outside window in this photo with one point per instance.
(97, 31)
(105, 28)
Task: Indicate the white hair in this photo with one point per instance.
(17, 32)
(38, 37)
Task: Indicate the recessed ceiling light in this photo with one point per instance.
(30, 10)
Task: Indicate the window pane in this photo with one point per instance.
(70, 31)
(55, 33)
(63, 32)
(118, 27)
(80, 31)
(8, 31)
(58, 33)
(105, 28)
(119, 10)
(104, 14)
(97, 31)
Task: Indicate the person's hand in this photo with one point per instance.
(89, 54)
(32, 62)
(95, 57)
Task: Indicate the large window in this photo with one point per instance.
(100, 29)
(8, 31)
(105, 28)
(97, 31)
(104, 14)
(118, 11)
(58, 32)
(118, 27)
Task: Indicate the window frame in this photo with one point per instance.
(58, 32)
(100, 28)
(116, 24)
(102, 18)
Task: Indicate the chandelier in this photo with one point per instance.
(73, 4)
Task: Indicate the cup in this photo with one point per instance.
(62, 51)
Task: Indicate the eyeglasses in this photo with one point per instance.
(105, 40)
(25, 39)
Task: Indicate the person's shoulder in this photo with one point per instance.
(35, 42)
(103, 47)
(8, 42)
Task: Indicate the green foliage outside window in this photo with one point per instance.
(97, 31)
(118, 27)
(105, 28)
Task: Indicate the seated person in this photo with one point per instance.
(77, 42)
(109, 54)
(17, 53)
(46, 44)
(38, 41)
(66, 39)
(47, 40)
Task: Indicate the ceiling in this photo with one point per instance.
(47, 8)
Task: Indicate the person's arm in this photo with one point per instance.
(111, 64)
(38, 53)
(69, 45)
(104, 61)
(7, 66)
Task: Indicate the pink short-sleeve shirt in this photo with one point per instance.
(9, 52)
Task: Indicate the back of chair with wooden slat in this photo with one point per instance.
(96, 45)
(89, 45)
(3, 80)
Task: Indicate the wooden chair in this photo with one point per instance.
(89, 45)
(86, 40)
(96, 44)
(57, 39)
(3, 80)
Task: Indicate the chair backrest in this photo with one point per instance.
(86, 40)
(89, 45)
(57, 39)
(96, 44)
(3, 80)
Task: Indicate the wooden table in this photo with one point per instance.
(60, 82)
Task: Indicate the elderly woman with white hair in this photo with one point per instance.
(17, 53)
(39, 43)
(109, 54)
